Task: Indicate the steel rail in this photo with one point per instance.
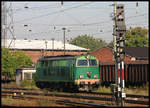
(127, 95)
(64, 101)
(79, 96)
(96, 93)
(19, 88)
(84, 103)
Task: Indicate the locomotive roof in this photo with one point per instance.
(60, 57)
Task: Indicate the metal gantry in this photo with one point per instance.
(4, 24)
(7, 24)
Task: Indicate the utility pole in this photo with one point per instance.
(62, 3)
(46, 47)
(53, 46)
(136, 7)
(64, 39)
(119, 33)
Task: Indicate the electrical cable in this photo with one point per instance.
(89, 24)
(41, 16)
(37, 8)
(75, 19)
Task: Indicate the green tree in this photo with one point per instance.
(136, 37)
(13, 60)
(110, 44)
(88, 42)
(7, 61)
(21, 59)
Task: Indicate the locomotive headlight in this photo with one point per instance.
(81, 76)
(96, 76)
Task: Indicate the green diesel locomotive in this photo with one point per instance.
(68, 72)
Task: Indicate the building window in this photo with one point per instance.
(27, 76)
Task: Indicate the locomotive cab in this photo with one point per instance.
(87, 73)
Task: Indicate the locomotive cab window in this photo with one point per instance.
(40, 63)
(93, 62)
(82, 62)
(46, 63)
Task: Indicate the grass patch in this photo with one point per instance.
(46, 103)
(28, 84)
(103, 89)
(11, 84)
(9, 98)
(6, 100)
(142, 90)
(18, 102)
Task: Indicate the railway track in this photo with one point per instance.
(94, 96)
(86, 93)
(59, 101)
(62, 101)
(133, 96)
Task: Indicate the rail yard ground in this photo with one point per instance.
(47, 98)
(25, 102)
(142, 90)
(9, 101)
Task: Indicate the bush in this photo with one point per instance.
(28, 84)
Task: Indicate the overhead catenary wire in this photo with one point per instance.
(90, 24)
(76, 30)
(94, 23)
(78, 23)
(75, 19)
(53, 6)
(44, 15)
(30, 8)
(94, 29)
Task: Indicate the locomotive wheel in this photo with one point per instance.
(39, 85)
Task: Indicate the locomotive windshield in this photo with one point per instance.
(91, 62)
(82, 63)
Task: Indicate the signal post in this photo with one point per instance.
(119, 33)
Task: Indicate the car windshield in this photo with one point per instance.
(93, 62)
(82, 63)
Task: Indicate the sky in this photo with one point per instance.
(45, 20)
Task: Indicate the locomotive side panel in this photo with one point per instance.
(55, 70)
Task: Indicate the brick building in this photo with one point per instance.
(38, 48)
(136, 65)
(105, 54)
